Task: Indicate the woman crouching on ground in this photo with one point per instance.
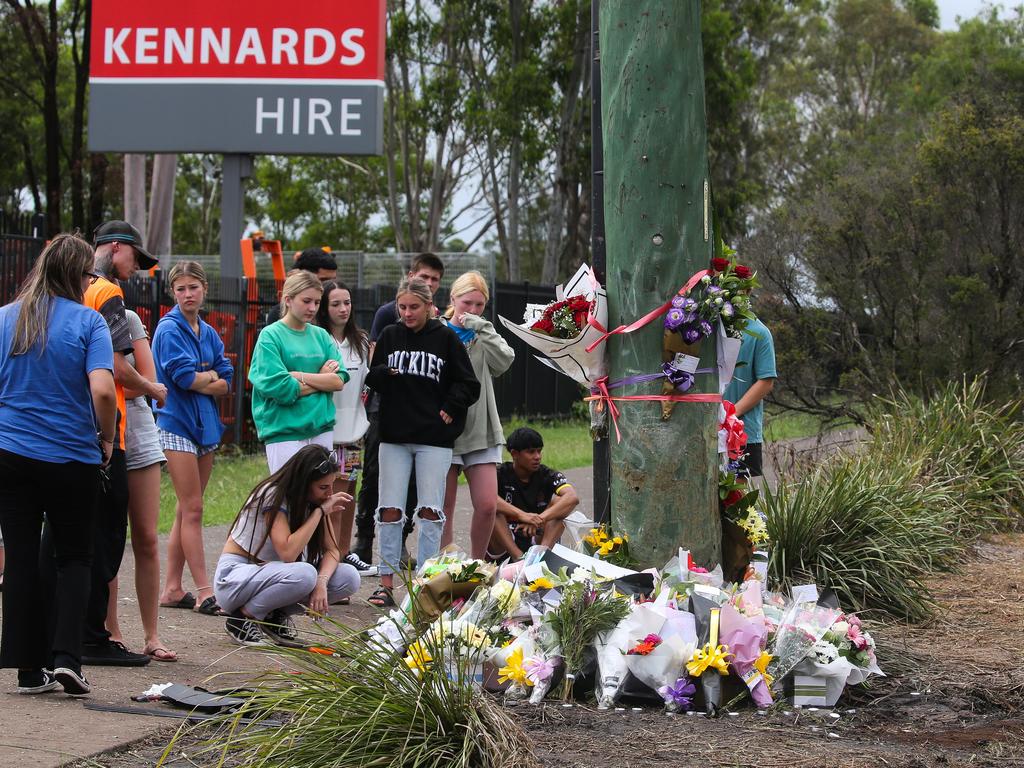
(282, 552)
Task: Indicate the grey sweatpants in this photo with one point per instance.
(260, 589)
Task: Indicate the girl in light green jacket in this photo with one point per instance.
(477, 452)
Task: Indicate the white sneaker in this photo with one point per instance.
(364, 568)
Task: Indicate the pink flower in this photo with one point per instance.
(855, 636)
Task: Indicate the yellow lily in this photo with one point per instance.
(709, 658)
(419, 657)
(761, 665)
(513, 670)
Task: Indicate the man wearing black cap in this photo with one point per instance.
(119, 254)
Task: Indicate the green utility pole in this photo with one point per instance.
(658, 232)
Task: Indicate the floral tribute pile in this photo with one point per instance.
(562, 623)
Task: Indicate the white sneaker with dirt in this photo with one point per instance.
(279, 627)
(244, 631)
(43, 682)
(364, 568)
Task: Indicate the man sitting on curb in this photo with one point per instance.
(533, 499)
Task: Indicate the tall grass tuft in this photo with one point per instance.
(362, 705)
(935, 475)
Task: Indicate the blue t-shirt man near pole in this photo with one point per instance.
(753, 379)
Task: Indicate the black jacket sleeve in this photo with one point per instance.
(378, 377)
(463, 388)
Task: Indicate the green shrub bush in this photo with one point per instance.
(935, 474)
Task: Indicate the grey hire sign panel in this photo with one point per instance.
(279, 117)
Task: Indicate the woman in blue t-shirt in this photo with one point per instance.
(57, 426)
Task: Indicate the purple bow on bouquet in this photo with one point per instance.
(678, 697)
(681, 380)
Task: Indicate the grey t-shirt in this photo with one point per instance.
(137, 331)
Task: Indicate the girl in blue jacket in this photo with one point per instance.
(190, 362)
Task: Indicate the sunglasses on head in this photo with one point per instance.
(328, 465)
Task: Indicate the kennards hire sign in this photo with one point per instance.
(237, 76)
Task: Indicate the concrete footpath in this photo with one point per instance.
(51, 729)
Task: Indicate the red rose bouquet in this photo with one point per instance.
(564, 319)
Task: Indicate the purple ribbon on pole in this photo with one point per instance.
(681, 380)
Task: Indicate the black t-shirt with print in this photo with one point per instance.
(532, 496)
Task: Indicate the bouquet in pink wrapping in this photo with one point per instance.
(746, 638)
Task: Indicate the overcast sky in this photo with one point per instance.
(966, 9)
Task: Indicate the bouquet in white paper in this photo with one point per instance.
(563, 330)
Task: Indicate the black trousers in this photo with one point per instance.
(750, 465)
(40, 583)
(369, 491)
(109, 536)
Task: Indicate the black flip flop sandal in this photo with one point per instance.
(382, 598)
(209, 607)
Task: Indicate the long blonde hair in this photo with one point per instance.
(467, 282)
(58, 272)
(298, 281)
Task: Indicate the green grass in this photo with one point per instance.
(233, 477)
(567, 445)
(784, 424)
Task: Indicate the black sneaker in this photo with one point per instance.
(73, 680)
(279, 627)
(111, 654)
(243, 630)
(364, 568)
(38, 682)
(363, 549)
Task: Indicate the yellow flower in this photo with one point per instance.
(709, 658)
(541, 583)
(513, 670)
(419, 657)
(617, 540)
(605, 549)
(761, 665)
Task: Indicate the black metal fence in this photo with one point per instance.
(238, 310)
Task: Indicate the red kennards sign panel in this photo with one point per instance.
(336, 40)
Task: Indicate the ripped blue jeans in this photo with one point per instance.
(396, 462)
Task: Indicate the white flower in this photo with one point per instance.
(824, 652)
(582, 576)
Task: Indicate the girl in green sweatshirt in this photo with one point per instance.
(294, 373)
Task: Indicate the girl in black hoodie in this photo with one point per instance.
(426, 385)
